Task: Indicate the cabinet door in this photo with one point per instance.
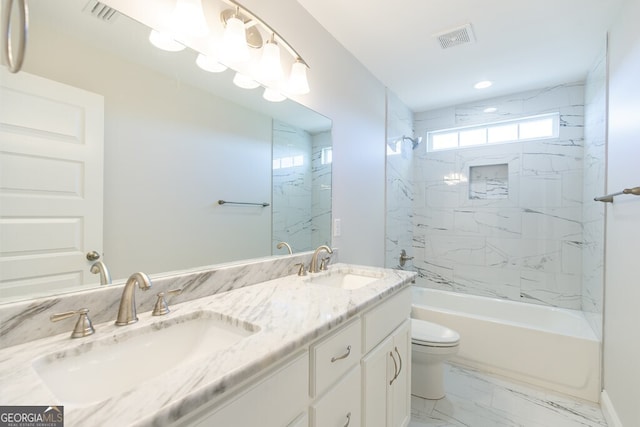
(400, 393)
(377, 371)
(271, 402)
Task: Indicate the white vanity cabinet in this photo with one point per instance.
(278, 399)
(355, 376)
(386, 368)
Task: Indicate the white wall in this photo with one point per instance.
(343, 90)
(622, 278)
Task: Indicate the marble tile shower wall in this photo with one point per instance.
(399, 230)
(594, 185)
(321, 191)
(291, 187)
(526, 245)
(301, 191)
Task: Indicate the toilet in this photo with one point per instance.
(431, 346)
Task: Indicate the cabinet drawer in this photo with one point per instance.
(334, 356)
(341, 405)
(286, 389)
(382, 320)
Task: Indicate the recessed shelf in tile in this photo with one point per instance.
(489, 182)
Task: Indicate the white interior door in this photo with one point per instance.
(51, 180)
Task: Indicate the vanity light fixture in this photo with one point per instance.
(210, 64)
(270, 66)
(164, 41)
(188, 19)
(269, 70)
(242, 31)
(298, 84)
(483, 84)
(234, 47)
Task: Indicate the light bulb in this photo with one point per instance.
(164, 42)
(210, 64)
(298, 84)
(234, 47)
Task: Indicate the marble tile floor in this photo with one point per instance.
(477, 399)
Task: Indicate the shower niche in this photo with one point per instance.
(489, 182)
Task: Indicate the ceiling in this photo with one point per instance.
(518, 45)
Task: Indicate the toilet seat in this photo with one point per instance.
(429, 334)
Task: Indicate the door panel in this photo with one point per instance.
(51, 179)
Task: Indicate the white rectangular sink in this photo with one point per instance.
(345, 278)
(97, 370)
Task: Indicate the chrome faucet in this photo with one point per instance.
(127, 310)
(100, 267)
(313, 267)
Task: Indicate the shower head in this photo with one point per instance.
(414, 141)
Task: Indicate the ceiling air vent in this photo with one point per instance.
(100, 11)
(456, 36)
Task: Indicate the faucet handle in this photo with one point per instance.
(83, 326)
(161, 308)
(324, 263)
(302, 271)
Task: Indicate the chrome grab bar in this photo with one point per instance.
(609, 197)
(226, 202)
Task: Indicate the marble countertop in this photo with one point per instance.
(290, 312)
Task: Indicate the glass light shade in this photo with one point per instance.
(270, 67)
(164, 42)
(234, 47)
(273, 95)
(210, 64)
(298, 84)
(188, 19)
(245, 82)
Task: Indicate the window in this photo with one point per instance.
(534, 127)
(288, 162)
(326, 157)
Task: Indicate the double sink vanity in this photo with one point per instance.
(242, 345)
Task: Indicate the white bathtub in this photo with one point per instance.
(546, 346)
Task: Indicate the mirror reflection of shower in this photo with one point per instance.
(394, 146)
(414, 141)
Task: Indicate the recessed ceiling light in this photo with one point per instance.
(490, 110)
(483, 84)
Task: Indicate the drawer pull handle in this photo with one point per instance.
(348, 419)
(395, 368)
(344, 356)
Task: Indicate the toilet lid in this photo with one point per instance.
(427, 333)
